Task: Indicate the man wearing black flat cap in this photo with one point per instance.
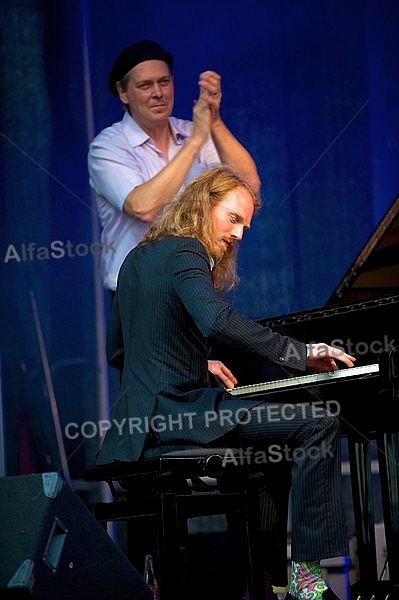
(140, 162)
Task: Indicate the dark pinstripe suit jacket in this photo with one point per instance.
(164, 311)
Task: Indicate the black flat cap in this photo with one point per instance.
(132, 56)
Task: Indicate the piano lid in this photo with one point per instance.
(375, 272)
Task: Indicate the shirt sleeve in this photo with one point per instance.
(113, 171)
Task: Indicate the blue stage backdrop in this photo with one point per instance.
(310, 88)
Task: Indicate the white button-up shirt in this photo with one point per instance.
(120, 158)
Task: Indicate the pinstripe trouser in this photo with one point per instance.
(301, 446)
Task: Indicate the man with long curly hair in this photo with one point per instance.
(168, 305)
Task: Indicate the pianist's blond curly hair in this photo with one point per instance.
(189, 214)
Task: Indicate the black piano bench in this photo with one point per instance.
(157, 495)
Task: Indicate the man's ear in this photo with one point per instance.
(121, 93)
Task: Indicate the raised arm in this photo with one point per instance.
(230, 150)
(145, 201)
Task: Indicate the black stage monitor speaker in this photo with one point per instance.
(52, 548)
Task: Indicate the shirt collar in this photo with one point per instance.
(177, 133)
(137, 136)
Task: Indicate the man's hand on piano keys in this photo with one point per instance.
(222, 373)
(322, 357)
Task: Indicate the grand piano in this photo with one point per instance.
(362, 317)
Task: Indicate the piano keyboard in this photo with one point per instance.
(306, 380)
